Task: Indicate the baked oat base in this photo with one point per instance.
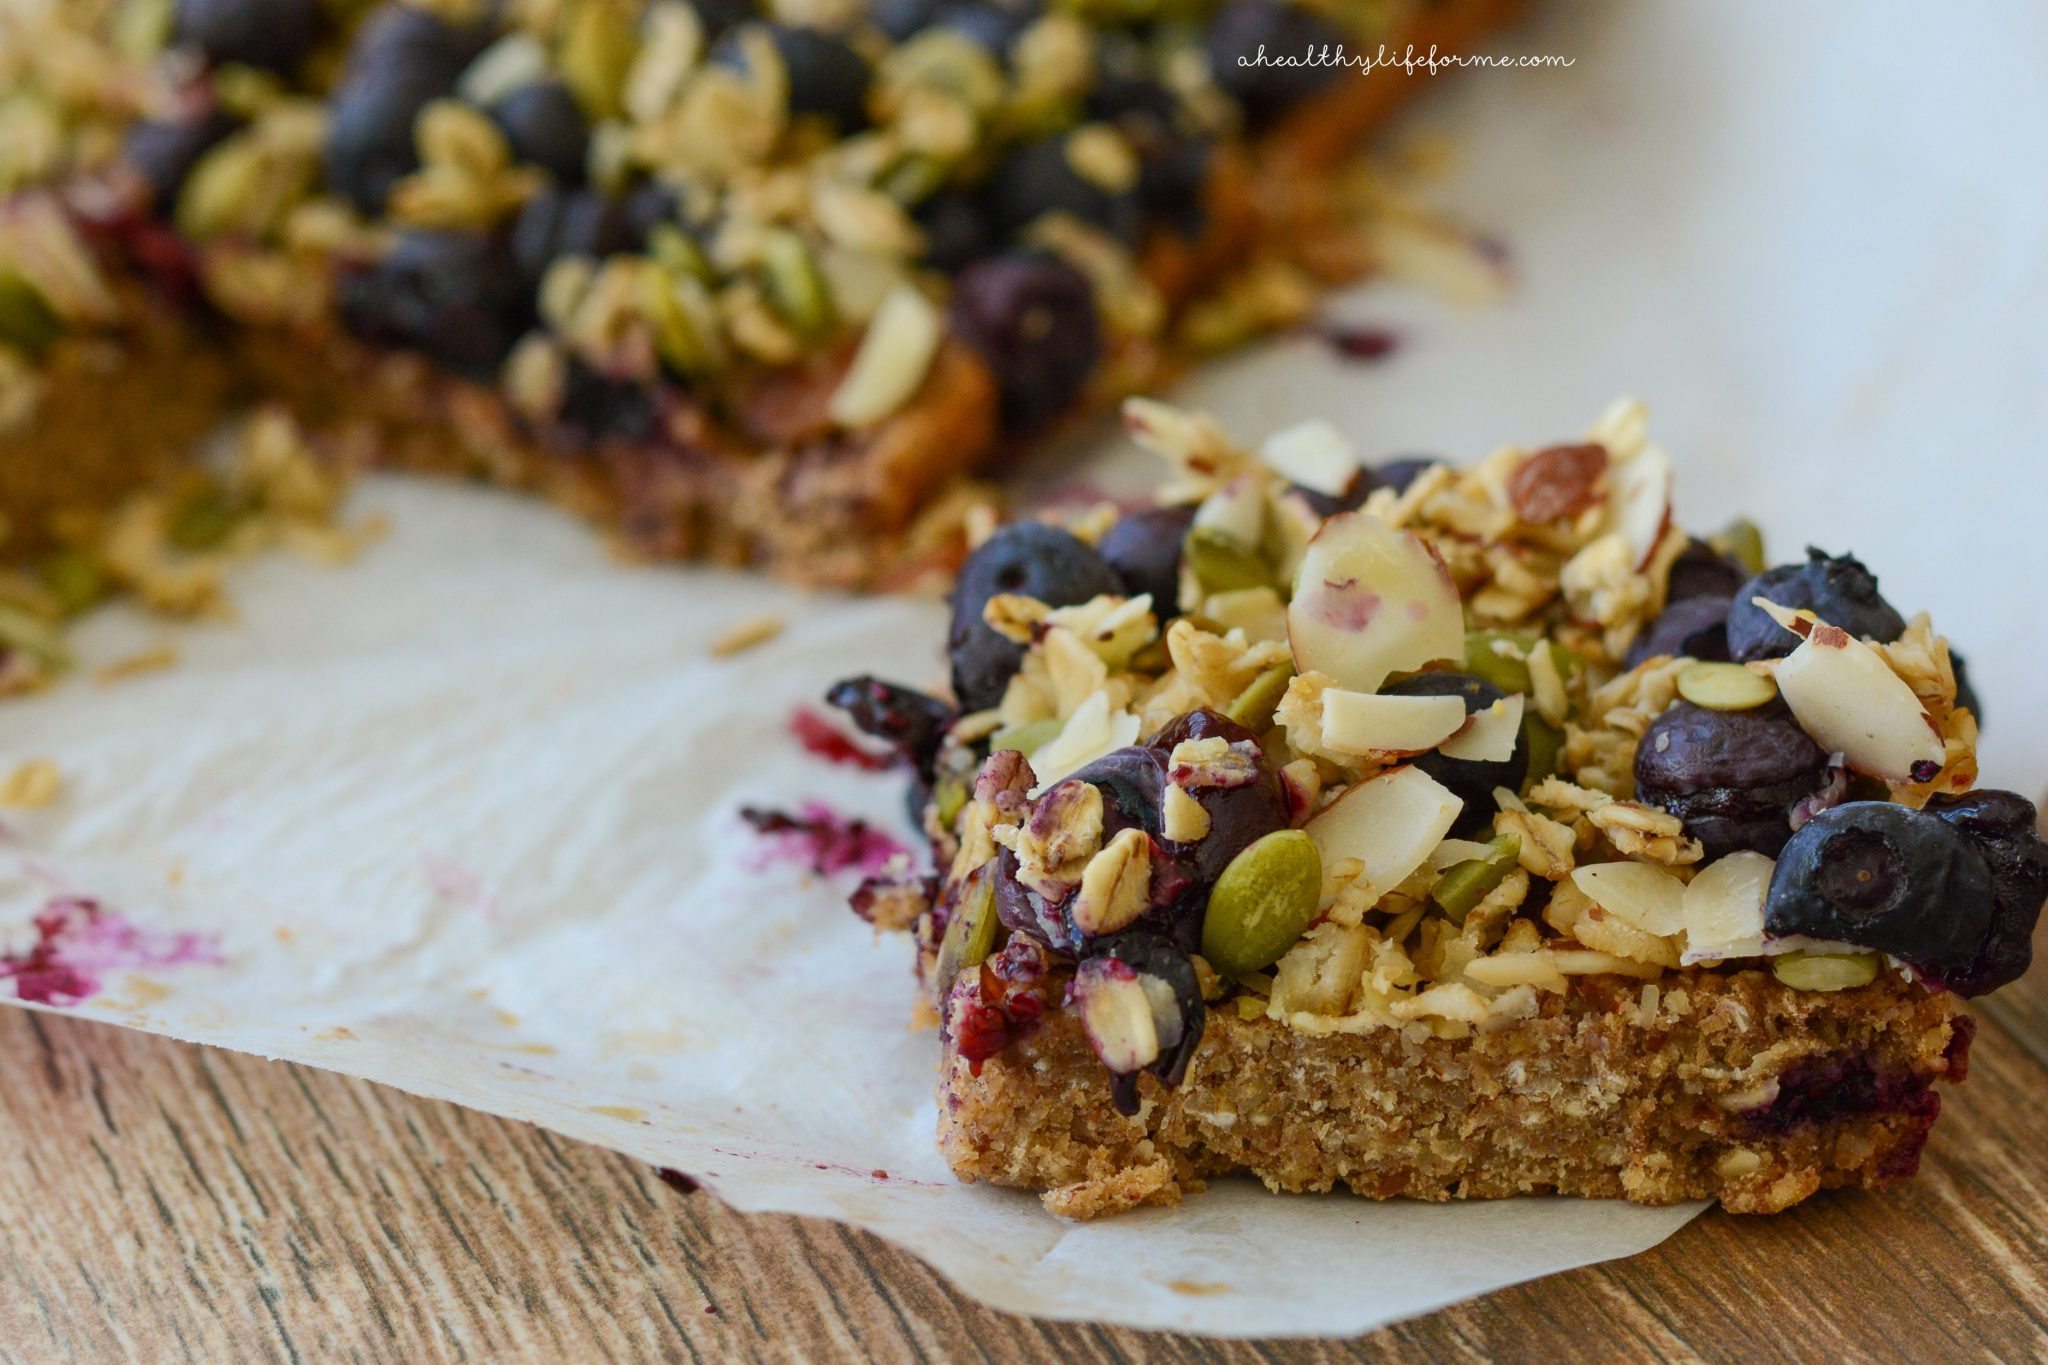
(1725, 1086)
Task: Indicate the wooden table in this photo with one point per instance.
(162, 1202)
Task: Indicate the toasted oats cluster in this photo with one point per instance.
(1350, 750)
(604, 205)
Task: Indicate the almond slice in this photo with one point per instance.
(1363, 723)
(1724, 908)
(1640, 895)
(1313, 454)
(1370, 601)
(1492, 734)
(1389, 824)
(1846, 696)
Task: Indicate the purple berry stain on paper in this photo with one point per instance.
(78, 941)
(822, 839)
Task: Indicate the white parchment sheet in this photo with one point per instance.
(462, 817)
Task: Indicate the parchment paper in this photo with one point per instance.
(463, 816)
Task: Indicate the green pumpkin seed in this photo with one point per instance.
(205, 519)
(1724, 687)
(1223, 563)
(1825, 971)
(34, 636)
(949, 798)
(1025, 738)
(1742, 542)
(1465, 884)
(1505, 671)
(1268, 895)
(1253, 708)
(1544, 742)
(678, 253)
(75, 580)
(1250, 1007)
(971, 932)
(915, 179)
(27, 321)
(795, 286)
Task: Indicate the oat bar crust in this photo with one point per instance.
(1727, 1086)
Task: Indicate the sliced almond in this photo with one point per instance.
(1492, 734)
(1724, 908)
(1640, 895)
(1389, 825)
(1847, 698)
(1364, 723)
(1313, 454)
(1370, 601)
(893, 360)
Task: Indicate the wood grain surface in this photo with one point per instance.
(166, 1202)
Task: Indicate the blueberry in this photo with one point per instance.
(717, 16)
(956, 230)
(1889, 878)
(1133, 786)
(1176, 995)
(596, 406)
(990, 25)
(1173, 182)
(403, 40)
(2005, 829)
(164, 151)
(1127, 85)
(545, 127)
(647, 206)
(827, 78)
(1032, 318)
(1330, 504)
(273, 34)
(901, 20)
(403, 58)
(1838, 590)
(1200, 724)
(450, 295)
(1471, 780)
(1733, 777)
(1039, 178)
(1701, 571)
(1144, 549)
(1696, 627)
(1238, 818)
(1242, 28)
(1026, 557)
(1398, 473)
(558, 222)
(1966, 695)
(911, 723)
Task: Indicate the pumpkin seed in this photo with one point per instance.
(1742, 542)
(1465, 884)
(24, 630)
(205, 519)
(1505, 671)
(1825, 971)
(75, 580)
(1223, 563)
(795, 287)
(1253, 708)
(1724, 687)
(971, 932)
(1265, 898)
(1026, 739)
(27, 321)
(1544, 743)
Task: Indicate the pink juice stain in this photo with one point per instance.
(79, 940)
(820, 738)
(822, 839)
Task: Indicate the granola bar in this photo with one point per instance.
(755, 283)
(1443, 833)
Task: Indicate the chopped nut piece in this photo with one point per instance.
(745, 635)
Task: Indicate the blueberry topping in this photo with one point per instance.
(1026, 557)
(1838, 590)
(450, 295)
(1040, 178)
(1733, 777)
(1471, 780)
(827, 78)
(1173, 182)
(596, 406)
(403, 58)
(1695, 627)
(558, 222)
(1397, 474)
(909, 722)
(903, 19)
(1966, 695)
(545, 127)
(2005, 828)
(717, 16)
(1178, 1013)
(1701, 571)
(1144, 549)
(273, 34)
(956, 230)
(994, 24)
(1032, 318)
(1328, 505)
(1889, 878)
(164, 151)
(1243, 27)
(1133, 786)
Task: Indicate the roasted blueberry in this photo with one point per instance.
(1040, 178)
(1471, 780)
(827, 78)
(1244, 804)
(2004, 827)
(1838, 590)
(596, 406)
(403, 58)
(1330, 504)
(450, 295)
(1200, 724)
(1398, 473)
(902, 19)
(1133, 786)
(992, 25)
(1695, 627)
(1733, 777)
(273, 34)
(1127, 84)
(558, 222)
(1157, 972)
(956, 230)
(1966, 695)
(716, 16)
(1022, 910)
(1144, 549)
(164, 151)
(545, 127)
(910, 722)
(1890, 878)
(1026, 557)
(1173, 182)
(1701, 571)
(1031, 317)
(1243, 29)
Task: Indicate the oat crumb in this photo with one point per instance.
(755, 630)
(1119, 1192)
(153, 660)
(32, 785)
